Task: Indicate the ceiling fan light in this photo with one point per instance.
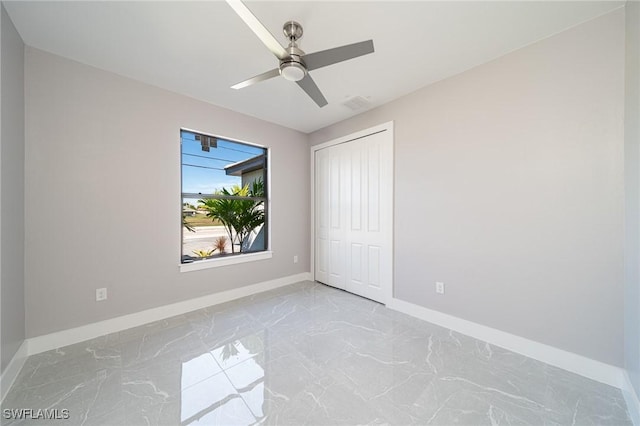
(292, 71)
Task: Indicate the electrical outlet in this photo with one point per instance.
(101, 294)
(439, 287)
(295, 259)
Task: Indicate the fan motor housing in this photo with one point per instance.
(292, 67)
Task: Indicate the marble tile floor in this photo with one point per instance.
(303, 354)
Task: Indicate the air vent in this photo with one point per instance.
(356, 103)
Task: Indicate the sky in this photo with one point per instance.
(203, 172)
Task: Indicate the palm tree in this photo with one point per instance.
(252, 212)
(222, 209)
(239, 217)
(184, 217)
(186, 224)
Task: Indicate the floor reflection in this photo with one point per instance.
(225, 385)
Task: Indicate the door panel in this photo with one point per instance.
(330, 222)
(335, 191)
(356, 263)
(373, 187)
(322, 248)
(374, 266)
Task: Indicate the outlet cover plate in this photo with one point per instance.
(101, 294)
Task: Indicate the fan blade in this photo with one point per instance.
(309, 86)
(337, 54)
(256, 26)
(257, 79)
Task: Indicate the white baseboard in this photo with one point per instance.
(632, 400)
(90, 331)
(13, 369)
(590, 368)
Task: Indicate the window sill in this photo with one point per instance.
(232, 260)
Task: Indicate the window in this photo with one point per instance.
(224, 198)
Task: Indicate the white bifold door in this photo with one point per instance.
(354, 215)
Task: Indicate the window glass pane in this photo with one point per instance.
(206, 225)
(203, 172)
(202, 236)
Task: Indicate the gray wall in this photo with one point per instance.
(103, 190)
(632, 194)
(11, 191)
(509, 189)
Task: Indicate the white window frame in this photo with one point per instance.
(236, 258)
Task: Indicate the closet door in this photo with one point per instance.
(353, 215)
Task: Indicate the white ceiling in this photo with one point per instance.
(201, 48)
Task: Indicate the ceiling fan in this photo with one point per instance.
(294, 63)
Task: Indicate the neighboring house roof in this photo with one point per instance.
(246, 166)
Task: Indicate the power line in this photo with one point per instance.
(209, 158)
(238, 150)
(202, 167)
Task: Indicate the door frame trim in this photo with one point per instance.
(388, 127)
